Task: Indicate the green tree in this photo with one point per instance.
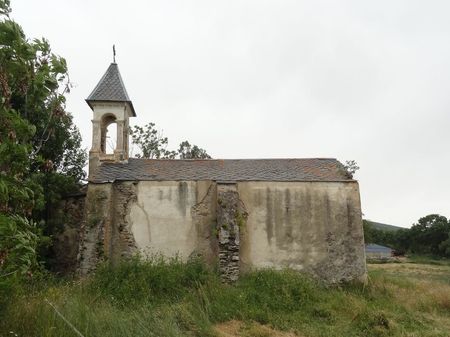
(188, 151)
(444, 247)
(428, 235)
(40, 154)
(19, 195)
(369, 232)
(151, 142)
(350, 168)
(153, 145)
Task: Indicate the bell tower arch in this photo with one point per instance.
(110, 103)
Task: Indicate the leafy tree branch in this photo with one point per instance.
(153, 145)
(40, 148)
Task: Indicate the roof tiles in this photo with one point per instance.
(110, 88)
(223, 170)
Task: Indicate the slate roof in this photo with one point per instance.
(223, 170)
(374, 248)
(110, 88)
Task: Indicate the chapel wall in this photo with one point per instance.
(63, 253)
(175, 218)
(309, 226)
(314, 227)
(94, 233)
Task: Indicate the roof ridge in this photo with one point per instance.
(233, 159)
(121, 82)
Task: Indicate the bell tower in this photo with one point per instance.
(110, 104)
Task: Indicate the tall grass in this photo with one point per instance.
(159, 297)
(151, 280)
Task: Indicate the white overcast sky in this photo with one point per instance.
(362, 80)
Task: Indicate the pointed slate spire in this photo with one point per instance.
(110, 88)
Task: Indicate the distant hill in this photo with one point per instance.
(383, 227)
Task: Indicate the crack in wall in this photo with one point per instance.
(122, 239)
(147, 218)
(204, 218)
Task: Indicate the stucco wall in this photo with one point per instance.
(310, 226)
(174, 218)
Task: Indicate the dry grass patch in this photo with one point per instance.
(422, 289)
(248, 329)
(415, 271)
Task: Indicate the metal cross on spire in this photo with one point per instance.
(114, 53)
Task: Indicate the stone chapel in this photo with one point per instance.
(241, 214)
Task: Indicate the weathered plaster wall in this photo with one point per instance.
(310, 226)
(93, 242)
(174, 218)
(119, 239)
(171, 218)
(66, 239)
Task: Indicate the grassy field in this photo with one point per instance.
(160, 298)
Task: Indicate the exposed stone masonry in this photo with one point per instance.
(106, 232)
(64, 250)
(92, 232)
(122, 241)
(230, 216)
